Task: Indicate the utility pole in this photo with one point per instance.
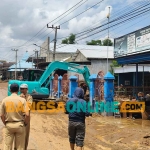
(32, 62)
(16, 63)
(55, 39)
(108, 16)
(36, 56)
(48, 51)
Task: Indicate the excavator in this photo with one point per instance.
(39, 87)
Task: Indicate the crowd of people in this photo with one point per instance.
(140, 98)
(15, 115)
(17, 120)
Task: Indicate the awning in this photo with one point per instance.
(127, 69)
(142, 58)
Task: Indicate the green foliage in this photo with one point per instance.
(65, 41)
(114, 64)
(94, 42)
(107, 42)
(70, 40)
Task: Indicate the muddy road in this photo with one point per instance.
(49, 132)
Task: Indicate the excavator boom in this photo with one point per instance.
(65, 66)
(38, 89)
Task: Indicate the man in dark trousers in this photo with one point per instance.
(76, 128)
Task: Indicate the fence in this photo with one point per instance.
(97, 89)
(131, 90)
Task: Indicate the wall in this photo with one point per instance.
(44, 50)
(95, 67)
(59, 56)
(80, 57)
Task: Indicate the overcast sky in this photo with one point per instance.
(21, 20)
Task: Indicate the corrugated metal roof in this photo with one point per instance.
(72, 48)
(99, 54)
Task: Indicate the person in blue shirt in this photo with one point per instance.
(76, 128)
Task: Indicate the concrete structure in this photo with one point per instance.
(64, 51)
(95, 57)
(45, 50)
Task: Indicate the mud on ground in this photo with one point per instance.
(49, 132)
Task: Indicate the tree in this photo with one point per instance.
(107, 42)
(94, 42)
(70, 40)
(114, 64)
(65, 41)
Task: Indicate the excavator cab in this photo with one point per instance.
(32, 74)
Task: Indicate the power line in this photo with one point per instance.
(61, 19)
(52, 21)
(110, 26)
(116, 24)
(116, 19)
(82, 12)
(117, 28)
(57, 18)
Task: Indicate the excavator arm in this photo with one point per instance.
(65, 66)
(38, 89)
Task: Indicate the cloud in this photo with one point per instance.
(21, 20)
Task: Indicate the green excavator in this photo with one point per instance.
(38, 80)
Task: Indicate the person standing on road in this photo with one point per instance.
(14, 114)
(29, 100)
(76, 128)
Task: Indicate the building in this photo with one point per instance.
(132, 51)
(22, 64)
(95, 57)
(126, 75)
(4, 66)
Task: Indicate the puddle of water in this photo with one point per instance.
(123, 123)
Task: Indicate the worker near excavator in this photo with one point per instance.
(14, 114)
(24, 94)
(29, 100)
(76, 128)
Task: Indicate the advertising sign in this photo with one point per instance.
(135, 42)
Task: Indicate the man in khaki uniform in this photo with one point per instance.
(29, 100)
(14, 114)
